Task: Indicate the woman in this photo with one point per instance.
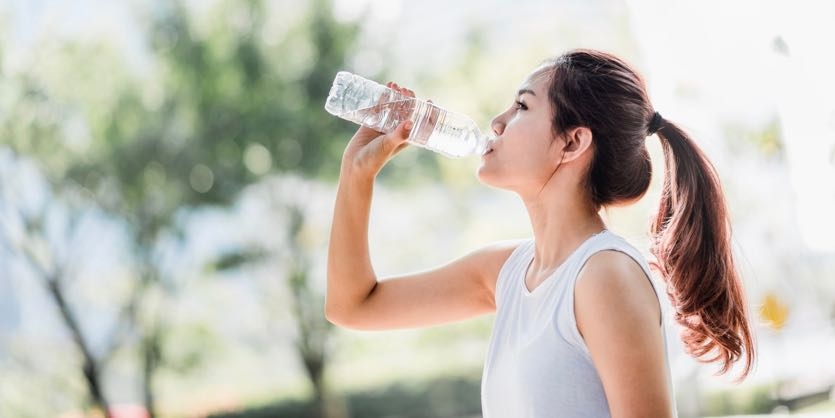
(579, 330)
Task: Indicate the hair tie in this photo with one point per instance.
(655, 123)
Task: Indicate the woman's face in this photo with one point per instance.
(526, 151)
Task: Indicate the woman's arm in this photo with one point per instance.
(355, 298)
(619, 317)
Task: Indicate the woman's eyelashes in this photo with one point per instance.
(520, 105)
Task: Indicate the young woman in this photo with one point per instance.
(578, 330)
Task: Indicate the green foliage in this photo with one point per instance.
(766, 140)
(236, 259)
(219, 107)
(756, 400)
(825, 406)
(442, 397)
(188, 347)
(216, 111)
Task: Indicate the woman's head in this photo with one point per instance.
(597, 114)
(588, 113)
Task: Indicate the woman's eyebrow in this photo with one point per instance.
(523, 91)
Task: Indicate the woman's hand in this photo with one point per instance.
(369, 150)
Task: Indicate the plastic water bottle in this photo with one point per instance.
(378, 107)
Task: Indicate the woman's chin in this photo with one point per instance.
(486, 176)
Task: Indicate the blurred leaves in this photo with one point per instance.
(215, 112)
(236, 259)
(188, 347)
(218, 106)
(765, 140)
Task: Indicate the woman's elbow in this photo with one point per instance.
(333, 314)
(339, 316)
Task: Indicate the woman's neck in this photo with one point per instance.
(561, 221)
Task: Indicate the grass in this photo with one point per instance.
(827, 406)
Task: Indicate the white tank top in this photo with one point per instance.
(537, 363)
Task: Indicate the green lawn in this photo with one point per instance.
(828, 406)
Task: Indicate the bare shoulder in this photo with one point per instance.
(612, 284)
(492, 257)
(497, 251)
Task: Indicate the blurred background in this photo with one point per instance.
(167, 175)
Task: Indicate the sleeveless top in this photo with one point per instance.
(537, 364)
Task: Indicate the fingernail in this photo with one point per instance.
(408, 125)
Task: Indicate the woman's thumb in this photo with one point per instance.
(404, 129)
(400, 135)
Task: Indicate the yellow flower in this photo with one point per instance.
(774, 312)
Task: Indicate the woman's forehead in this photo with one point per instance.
(538, 79)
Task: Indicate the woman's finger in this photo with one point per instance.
(400, 147)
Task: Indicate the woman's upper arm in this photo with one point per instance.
(462, 289)
(618, 315)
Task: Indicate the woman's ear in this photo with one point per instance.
(577, 141)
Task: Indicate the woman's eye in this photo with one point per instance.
(521, 105)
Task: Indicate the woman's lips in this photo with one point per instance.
(489, 147)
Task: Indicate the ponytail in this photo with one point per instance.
(691, 237)
(691, 241)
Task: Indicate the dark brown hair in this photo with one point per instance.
(691, 232)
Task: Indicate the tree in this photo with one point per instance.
(218, 112)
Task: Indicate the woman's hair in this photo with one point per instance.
(691, 237)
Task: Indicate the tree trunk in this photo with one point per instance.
(150, 363)
(91, 367)
(314, 365)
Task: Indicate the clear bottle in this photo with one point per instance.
(378, 107)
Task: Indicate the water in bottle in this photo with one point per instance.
(378, 107)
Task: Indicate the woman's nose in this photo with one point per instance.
(497, 124)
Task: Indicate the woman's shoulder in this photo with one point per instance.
(610, 259)
(490, 259)
(498, 252)
(615, 276)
